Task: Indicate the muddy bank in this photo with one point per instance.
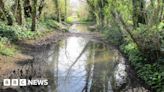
(8, 63)
(134, 82)
(48, 38)
(125, 72)
(54, 37)
(125, 78)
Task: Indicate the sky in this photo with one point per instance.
(74, 4)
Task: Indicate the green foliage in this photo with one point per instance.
(161, 32)
(4, 50)
(113, 35)
(16, 32)
(139, 25)
(49, 24)
(152, 74)
(147, 36)
(21, 35)
(70, 19)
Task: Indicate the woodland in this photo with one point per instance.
(135, 27)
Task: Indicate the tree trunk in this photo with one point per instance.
(139, 15)
(101, 12)
(41, 7)
(58, 10)
(65, 10)
(162, 11)
(27, 8)
(20, 12)
(119, 20)
(34, 12)
(8, 16)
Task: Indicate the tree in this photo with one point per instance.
(34, 16)
(6, 13)
(139, 15)
(97, 10)
(58, 11)
(19, 12)
(41, 6)
(144, 32)
(27, 8)
(65, 10)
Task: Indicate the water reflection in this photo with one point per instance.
(83, 66)
(72, 57)
(75, 64)
(78, 28)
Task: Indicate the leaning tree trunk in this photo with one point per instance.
(8, 16)
(34, 16)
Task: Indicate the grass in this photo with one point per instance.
(5, 48)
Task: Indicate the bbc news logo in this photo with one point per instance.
(24, 82)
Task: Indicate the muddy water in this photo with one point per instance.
(74, 64)
(82, 65)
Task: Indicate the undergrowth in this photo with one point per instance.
(16, 33)
(5, 47)
(151, 73)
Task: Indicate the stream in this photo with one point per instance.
(74, 64)
(82, 65)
